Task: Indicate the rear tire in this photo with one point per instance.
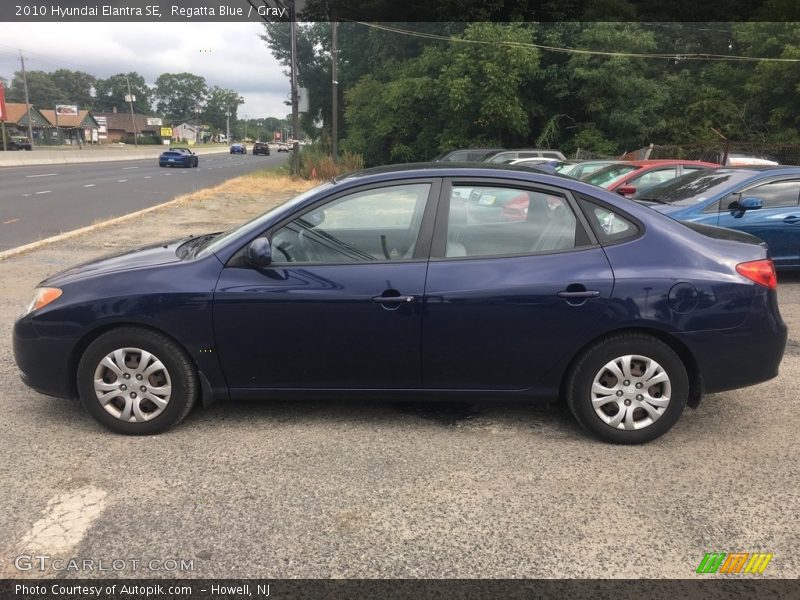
(628, 389)
(137, 381)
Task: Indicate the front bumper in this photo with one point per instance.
(43, 362)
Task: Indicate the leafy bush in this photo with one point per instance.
(316, 163)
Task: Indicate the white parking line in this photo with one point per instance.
(89, 185)
(147, 177)
(121, 180)
(66, 520)
(126, 168)
(43, 175)
(44, 192)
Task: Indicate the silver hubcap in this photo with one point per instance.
(631, 392)
(132, 384)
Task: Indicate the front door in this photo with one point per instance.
(777, 222)
(340, 305)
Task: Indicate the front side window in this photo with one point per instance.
(777, 194)
(498, 221)
(376, 224)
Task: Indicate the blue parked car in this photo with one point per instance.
(178, 157)
(393, 283)
(762, 201)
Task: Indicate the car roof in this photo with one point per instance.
(443, 169)
(668, 161)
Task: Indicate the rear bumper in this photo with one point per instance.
(741, 356)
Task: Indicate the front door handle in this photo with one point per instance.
(792, 219)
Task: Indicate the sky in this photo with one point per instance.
(230, 55)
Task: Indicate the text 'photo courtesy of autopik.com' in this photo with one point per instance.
(399, 300)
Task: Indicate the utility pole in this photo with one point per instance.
(295, 112)
(27, 101)
(245, 128)
(133, 119)
(334, 95)
(228, 125)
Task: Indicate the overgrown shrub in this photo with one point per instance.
(315, 163)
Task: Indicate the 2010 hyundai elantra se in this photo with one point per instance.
(418, 280)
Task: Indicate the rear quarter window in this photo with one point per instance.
(609, 225)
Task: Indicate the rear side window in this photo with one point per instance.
(610, 226)
(486, 221)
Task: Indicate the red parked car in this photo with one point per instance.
(631, 177)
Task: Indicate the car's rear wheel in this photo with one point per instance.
(137, 381)
(628, 389)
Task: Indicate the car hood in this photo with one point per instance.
(146, 256)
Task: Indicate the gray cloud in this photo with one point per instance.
(229, 55)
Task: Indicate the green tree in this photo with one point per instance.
(42, 90)
(179, 95)
(111, 92)
(219, 103)
(76, 86)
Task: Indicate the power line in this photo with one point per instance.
(669, 56)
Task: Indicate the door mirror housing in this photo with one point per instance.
(751, 203)
(258, 253)
(626, 190)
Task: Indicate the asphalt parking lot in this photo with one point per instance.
(384, 489)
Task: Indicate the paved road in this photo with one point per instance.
(41, 201)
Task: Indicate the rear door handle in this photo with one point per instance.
(582, 294)
(393, 299)
(792, 219)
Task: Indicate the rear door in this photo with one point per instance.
(510, 288)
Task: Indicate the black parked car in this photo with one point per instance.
(261, 148)
(16, 143)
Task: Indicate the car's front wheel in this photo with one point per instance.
(628, 389)
(137, 381)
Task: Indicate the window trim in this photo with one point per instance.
(421, 247)
(438, 248)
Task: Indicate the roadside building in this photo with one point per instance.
(121, 127)
(17, 123)
(81, 128)
(186, 131)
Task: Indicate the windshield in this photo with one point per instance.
(212, 244)
(610, 175)
(694, 187)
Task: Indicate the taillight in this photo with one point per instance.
(761, 272)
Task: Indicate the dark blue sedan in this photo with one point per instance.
(392, 282)
(762, 201)
(179, 157)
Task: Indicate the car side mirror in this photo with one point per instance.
(751, 203)
(258, 253)
(626, 190)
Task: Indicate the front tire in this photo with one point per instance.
(628, 389)
(137, 381)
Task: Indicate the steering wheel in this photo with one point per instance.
(285, 248)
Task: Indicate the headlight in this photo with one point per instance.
(42, 297)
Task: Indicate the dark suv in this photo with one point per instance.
(261, 148)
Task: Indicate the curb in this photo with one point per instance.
(89, 228)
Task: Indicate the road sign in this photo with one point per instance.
(166, 132)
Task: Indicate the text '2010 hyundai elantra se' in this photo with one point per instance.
(418, 280)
